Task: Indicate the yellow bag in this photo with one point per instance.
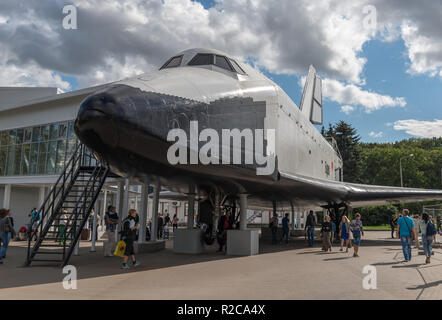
(120, 248)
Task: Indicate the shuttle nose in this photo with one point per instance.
(95, 125)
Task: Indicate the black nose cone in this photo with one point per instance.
(95, 123)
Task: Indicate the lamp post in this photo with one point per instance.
(400, 167)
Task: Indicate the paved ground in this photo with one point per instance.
(279, 272)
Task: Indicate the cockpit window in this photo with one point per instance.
(201, 59)
(205, 59)
(236, 66)
(221, 62)
(173, 62)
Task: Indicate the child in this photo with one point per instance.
(128, 235)
(166, 231)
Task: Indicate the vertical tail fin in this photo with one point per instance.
(311, 102)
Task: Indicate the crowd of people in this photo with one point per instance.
(404, 227)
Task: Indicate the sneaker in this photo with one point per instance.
(136, 263)
(124, 266)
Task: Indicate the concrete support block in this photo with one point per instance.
(243, 242)
(149, 246)
(188, 241)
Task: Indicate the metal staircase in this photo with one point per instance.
(65, 211)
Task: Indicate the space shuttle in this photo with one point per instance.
(204, 93)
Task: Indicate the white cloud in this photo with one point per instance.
(28, 74)
(423, 129)
(354, 95)
(141, 34)
(347, 109)
(376, 134)
(424, 53)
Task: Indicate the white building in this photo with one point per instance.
(36, 139)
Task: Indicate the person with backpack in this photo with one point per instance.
(428, 231)
(405, 232)
(344, 233)
(310, 227)
(35, 218)
(393, 222)
(285, 228)
(111, 220)
(5, 229)
(325, 232)
(128, 235)
(358, 231)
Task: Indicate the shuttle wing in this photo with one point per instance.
(356, 195)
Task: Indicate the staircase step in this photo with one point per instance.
(46, 260)
(48, 252)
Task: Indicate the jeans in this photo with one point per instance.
(392, 232)
(406, 247)
(427, 242)
(311, 236)
(285, 234)
(4, 241)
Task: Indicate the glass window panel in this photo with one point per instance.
(174, 62)
(236, 66)
(36, 134)
(11, 161)
(53, 131)
(50, 167)
(42, 153)
(62, 130)
(222, 63)
(61, 151)
(28, 135)
(17, 160)
(45, 133)
(71, 132)
(12, 135)
(34, 158)
(26, 159)
(19, 137)
(3, 153)
(4, 138)
(201, 59)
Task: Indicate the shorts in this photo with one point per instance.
(357, 241)
(345, 236)
(129, 247)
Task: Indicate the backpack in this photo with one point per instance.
(431, 230)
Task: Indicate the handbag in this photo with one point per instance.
(411, 233)
(120, 248)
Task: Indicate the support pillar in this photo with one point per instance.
(293, 214)
(191, 206)
(119, 205)
(243, 242)
(143, 212)
(156, 200)
(126, 198)
(94, 227)
(104, 209)
(243, 211)
(7, 196)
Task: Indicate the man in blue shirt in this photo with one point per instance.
(285, 228)
(405, 231)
